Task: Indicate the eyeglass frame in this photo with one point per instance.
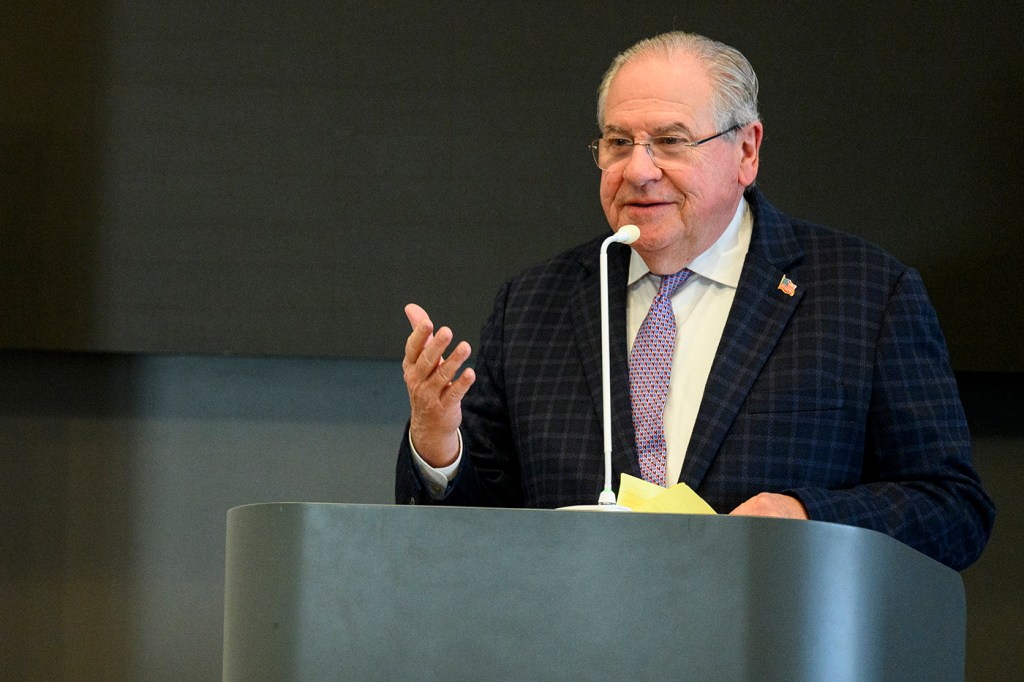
(633, 143)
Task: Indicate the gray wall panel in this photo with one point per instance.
(116, 473)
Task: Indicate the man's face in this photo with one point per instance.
(680, 212)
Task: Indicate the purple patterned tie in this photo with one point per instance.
(650, 366)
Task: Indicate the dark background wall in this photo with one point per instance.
(280, 177)
(210, 218)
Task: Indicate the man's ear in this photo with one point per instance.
(750, 150)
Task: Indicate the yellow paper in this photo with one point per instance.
(643, 496)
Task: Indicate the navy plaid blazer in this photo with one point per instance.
(840, 395)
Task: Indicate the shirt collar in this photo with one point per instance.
(723, 261)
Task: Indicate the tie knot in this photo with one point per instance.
(669, 283)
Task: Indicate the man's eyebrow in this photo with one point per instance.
(617, 130)
(670, 129)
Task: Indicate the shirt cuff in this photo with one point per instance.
(437, 480)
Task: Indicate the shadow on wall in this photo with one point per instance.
(51, 59)
(995, 606)
(65, 481)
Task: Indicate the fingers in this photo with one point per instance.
(416, 314)
(772, 504)
(422, 329)
(424, 355)
(446, 372)
(433, 351)
(457, 389)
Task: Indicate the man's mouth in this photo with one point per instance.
(646, 204)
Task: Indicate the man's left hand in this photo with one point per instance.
(771, 504)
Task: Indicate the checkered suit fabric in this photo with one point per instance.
(840, 395)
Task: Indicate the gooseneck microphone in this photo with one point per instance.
(627, 234)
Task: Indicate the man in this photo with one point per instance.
(804, 374)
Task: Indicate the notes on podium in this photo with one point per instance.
(642, 496)
(638, 495)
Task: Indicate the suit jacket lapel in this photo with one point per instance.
(759, 314)
(587, 327)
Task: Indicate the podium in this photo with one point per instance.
(374, 592)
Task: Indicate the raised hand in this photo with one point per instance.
(435, 393)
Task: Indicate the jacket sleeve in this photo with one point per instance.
(918, 483)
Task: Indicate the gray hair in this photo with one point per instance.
(733, 81)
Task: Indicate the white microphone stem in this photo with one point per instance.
(627, 234)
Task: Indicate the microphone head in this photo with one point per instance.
(627, 234)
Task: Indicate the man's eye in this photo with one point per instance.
(670, 141)
(618, 142)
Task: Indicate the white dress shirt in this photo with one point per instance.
(701, 307)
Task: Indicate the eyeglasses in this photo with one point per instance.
(668, 152)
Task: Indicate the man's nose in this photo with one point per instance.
(641, 169)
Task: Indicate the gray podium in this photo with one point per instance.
(367, 592)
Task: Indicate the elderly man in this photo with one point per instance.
(777, 367)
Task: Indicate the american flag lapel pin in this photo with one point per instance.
(786, 286)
